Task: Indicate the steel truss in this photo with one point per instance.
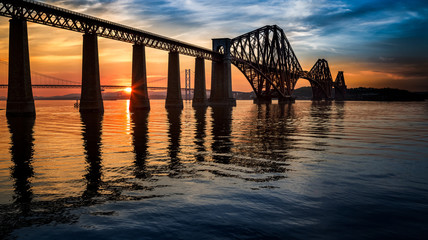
(268, 62)
(45, 14)
(321, 81)
(339, 87)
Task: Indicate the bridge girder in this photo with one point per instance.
(53, 16)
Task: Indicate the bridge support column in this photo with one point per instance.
(173, 95)
(20, 101)
(339, 87)
(286, 100)
(339, 93)
(262, 100)
(199, 93)
(139, 95)
(221, 76)
(91, 99)
(317, 93)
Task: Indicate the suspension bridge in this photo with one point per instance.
(264, 56)
(40, 80)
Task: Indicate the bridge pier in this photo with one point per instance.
(139, 95)
(20, 101)
(339, 87)
(221, 76)
(286, 100)
(173, 94)
(91, 99)
(199, 93)
(339, 93)
(262, 100)
(317, 93)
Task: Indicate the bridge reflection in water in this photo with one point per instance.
(188, 169)
(22, 144)
(140, 141)
(91, 133)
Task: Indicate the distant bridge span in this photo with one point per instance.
(264, 56)
(268, 62)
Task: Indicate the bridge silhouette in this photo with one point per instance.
(264, 56)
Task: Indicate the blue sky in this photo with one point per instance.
(378, 43)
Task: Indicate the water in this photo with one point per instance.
(353, 170)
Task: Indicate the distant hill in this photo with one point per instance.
(303, 93)
(384, 94)
(369, 94)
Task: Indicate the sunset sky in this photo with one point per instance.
(377, 43)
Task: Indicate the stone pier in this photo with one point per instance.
(20, 101)
(173, 95)
(91, 99)
(199, 93)
(221, 76)
(139, 95)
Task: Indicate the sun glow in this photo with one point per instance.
(128, 90)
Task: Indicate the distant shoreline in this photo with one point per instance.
(303, 93)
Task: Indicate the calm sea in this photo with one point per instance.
(352, 170)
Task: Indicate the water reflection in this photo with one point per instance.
(91, 132)
(200, 113)
(21, 130)
(221, 131)
(140, 141)
(320, 113)
(340, 115)
(174, 134)
(340, 109)
(275, 128)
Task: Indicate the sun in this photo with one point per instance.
(128, 90)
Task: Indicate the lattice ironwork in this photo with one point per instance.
(339, 87)
(267, 60)
(45, 14)
(321, 81)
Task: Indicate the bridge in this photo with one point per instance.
(264, 56)
(40, 80)
(268, 62)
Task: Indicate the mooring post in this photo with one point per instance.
(221, 76)
(199, 93)
(91, 99)
(20, 101)
(173, 95)
(139, 95)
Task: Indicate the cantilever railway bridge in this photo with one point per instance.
(264, 56)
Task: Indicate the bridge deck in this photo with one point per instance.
(53, 16)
